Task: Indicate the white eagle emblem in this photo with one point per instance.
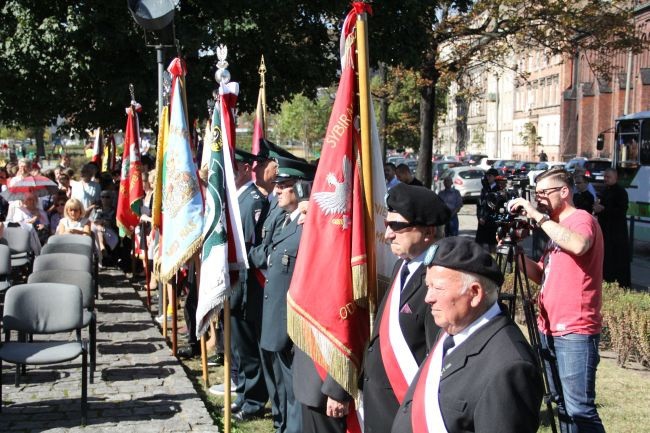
(337, 201)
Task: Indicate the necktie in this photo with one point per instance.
(447, 344)
(287, 219)
(403, 275)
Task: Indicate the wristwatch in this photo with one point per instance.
(543, 219)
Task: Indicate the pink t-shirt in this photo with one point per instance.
(571, 295)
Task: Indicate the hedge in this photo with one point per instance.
(626, 321)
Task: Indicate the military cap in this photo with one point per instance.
(465, 255)
(246, 157)
(419, 205)
(294, 169)
(270, 150)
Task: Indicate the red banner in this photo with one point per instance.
(131, 190)
(327, 315)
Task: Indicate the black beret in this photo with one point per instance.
(463, 254)
(419, 205)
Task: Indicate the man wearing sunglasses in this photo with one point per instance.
(570, 273)
(404, 327)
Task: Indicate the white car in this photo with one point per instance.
(542, 167)
(466, 179)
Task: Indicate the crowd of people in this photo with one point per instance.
(444, 354)
(80, 203)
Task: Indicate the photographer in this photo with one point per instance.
(570, 274)
(487, 228)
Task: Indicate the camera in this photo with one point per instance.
(512, 226)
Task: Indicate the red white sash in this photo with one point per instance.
(399, 363)
(426, 416)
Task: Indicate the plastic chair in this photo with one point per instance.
(5, 268)
(83, 280)
(21, 252)
(62, 261)
(77, 244)
(44, 308)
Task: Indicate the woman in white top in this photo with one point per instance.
(74, 221)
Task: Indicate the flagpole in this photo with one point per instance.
(366, 158)
(262, 72)
(204, 349)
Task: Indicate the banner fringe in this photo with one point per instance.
(215, 307)
(193, 248)
(360, 284)
(310, 340)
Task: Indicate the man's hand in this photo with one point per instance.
(519, 202)
(336, 409)
(598, 208)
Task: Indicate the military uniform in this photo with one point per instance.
(246, 308)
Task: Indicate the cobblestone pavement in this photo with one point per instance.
(139, 386)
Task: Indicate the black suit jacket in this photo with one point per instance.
(379, 401)
(308, 387)
(490, 384)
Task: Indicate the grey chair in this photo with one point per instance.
(76, 244)
(5, 268)
(62, 261)
(21, 253)
(44, 308)
(83, 280)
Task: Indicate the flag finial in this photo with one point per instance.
(222, 76)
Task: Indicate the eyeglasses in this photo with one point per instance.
(547, 191)
(105, 196)
(398, 225)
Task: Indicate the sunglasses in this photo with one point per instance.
(398, 225)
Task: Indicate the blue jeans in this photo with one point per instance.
(571, 360)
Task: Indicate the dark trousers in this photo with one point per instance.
(314, 420)
(190, 311)
(287, 413)
(248, 357)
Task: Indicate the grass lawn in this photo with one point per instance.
(622, 396)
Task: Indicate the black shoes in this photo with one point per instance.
(242, 416)
(188, 352)
(216, 360)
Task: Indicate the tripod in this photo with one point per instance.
(510, 258)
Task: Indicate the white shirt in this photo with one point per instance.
(463, 335)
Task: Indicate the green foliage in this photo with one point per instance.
(401, 94)
(304, 120)
(529, 136)
(626, 317)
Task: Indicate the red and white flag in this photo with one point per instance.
(98, 148)
(331, 323)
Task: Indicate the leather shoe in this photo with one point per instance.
(187, 352)
(242, 416)
(215, 360)
(235, 408)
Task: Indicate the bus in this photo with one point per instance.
(632, 162)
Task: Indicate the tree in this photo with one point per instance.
(304, 120)
(75, 58)
(442, 40)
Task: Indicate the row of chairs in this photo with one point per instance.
(59, 296)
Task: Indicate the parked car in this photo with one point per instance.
(412, 163)
(522, 168)
(473, 158)
(594, 167)
(486, 163)
(397, 160)
(503, 166)
(437, 168)
(466, 179)
(542, 167)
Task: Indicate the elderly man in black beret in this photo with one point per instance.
(481, 375)
(404, 326)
